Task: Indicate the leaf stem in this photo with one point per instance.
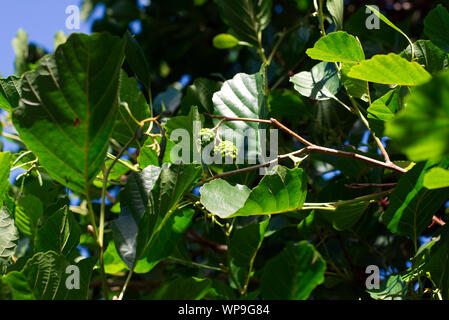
(321, 17)
(125, 285)
(196, 265)
(365, 121)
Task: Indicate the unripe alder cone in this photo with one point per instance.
(206, 136)
(227, 149)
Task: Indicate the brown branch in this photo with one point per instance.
(297, 136)
(195, 237)
(309, 149)
(370, 185)
(116, 285)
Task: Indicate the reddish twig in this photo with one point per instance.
(310, 147)
(199, 239)
(370, 185)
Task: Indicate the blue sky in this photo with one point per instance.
(40, 19)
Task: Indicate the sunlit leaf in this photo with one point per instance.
(337, 47)
(321, 83)
(242, 96)
(67, 111)
(436, 178)
(8, 234)
(10, 93)
(5, 165)
(225, 41)
(390, 69)
(282, 191)
(336, 9)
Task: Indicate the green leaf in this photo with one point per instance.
(20, 45)
(243, 247)
(164, 239)
(293, 273)
(436, 261)
(189, 127)
(29, 210)
(355, 88)
(5, 165)
(411, 205)
(125, 126)
(44, 278)
(390, 69)
(9, 235)
(117, 172)
(162, 220)
(388, 22)
(184, 289)
(223, 199)
(421, 130)
(282, 191)
(427, 55)
(225, 41)
(220, 291)
(169, 100)
(247, 18)
(112, 262)
(389, 288)
(67, 111)
(149, 154)
(436, 27)
(337, 47)
(133, 203)
(148, 204)
(10, 93)
(60, 38)
(348, 213)
(200, 93)
(60, 233)
(242, 96)
(321, 83)
(436, 178)
(87, 7)
(384, 110)
(336, 9)
(135, 57)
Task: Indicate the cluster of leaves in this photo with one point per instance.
(100, 191)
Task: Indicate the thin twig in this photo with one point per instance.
(206, 242)
(309, 149)
(370, 185)
(125, 285)
(195, 264)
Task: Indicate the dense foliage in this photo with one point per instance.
(102, 185)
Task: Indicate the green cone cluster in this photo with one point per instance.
(206, 136)
(227, 149)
